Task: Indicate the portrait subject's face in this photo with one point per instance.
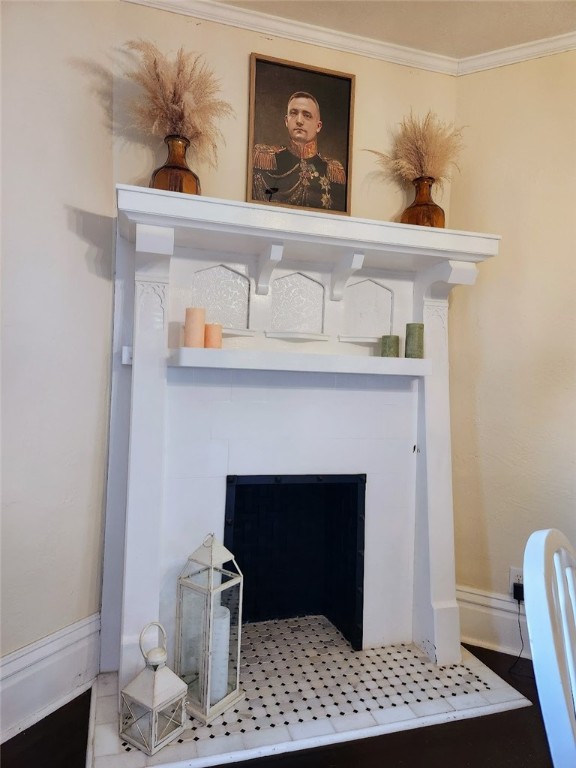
(303, 120)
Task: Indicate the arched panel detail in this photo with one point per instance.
(297, 304)
(225, 294)
(368, 309)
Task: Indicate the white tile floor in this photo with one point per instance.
(306, 687)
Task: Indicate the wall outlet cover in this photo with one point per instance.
(516, 577)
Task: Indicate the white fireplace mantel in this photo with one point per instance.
(164, 240)
(157, 222)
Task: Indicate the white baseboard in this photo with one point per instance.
(40, 678)
(490, 620)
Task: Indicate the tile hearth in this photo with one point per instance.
(306, 687)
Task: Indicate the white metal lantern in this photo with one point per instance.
(153, 709)
(208, 624)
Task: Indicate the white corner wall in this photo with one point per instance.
(512, 336)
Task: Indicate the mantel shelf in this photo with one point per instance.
(256, 360)
(274, 235)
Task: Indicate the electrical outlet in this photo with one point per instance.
(516, 577)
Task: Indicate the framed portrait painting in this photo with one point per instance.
(300, 135)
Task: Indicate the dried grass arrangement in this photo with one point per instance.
(180, 99)
(425, 147)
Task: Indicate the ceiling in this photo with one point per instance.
(454, 28)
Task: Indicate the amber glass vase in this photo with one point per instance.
(175, 175)
(423, 210)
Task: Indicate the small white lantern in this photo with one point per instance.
(208, 625)
(153, 709)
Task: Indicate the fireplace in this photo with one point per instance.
(290, 425)
(299, 541)
(281, 401)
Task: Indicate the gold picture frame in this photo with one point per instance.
(302, 157)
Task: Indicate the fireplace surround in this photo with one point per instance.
(298, 389)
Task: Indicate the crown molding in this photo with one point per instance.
(305, 33)
(517, 53)
(210, 10)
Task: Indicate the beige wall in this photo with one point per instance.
(57, 235)
(513, 335)
(60, 161)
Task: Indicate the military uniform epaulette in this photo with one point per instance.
(265, 156)
(336, 172)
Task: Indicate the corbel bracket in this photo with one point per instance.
(267, 263)
(152, 239)
(342, 272)
(436, 282)
(154, 249)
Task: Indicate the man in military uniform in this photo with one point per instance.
(296, 174)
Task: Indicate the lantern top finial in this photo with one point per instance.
(155, 657)
(211, 552)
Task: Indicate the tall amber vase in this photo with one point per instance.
(175, 175)
(423, 210)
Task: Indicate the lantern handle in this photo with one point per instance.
(146, 628)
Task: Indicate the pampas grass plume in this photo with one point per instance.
(422, 147)
(179, 98)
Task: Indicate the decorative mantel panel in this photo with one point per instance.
(282, 396)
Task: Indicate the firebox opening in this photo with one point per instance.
(299, 541)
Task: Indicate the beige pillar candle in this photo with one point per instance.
(213, 336)
(194, 327)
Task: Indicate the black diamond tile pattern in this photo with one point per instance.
(298, 670)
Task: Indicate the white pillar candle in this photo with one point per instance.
(189, 663)
(220, 644)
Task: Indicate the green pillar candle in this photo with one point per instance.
(414, 340)
(390, 346)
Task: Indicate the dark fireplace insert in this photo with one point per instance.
(299, 541)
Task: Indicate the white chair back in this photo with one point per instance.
(550, 602)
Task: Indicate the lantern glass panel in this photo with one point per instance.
(224, 640)
(199, 578)
(136, 724)
(170, 719)
(193, 638)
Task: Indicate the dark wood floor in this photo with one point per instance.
(58, 741)
(514, 739)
